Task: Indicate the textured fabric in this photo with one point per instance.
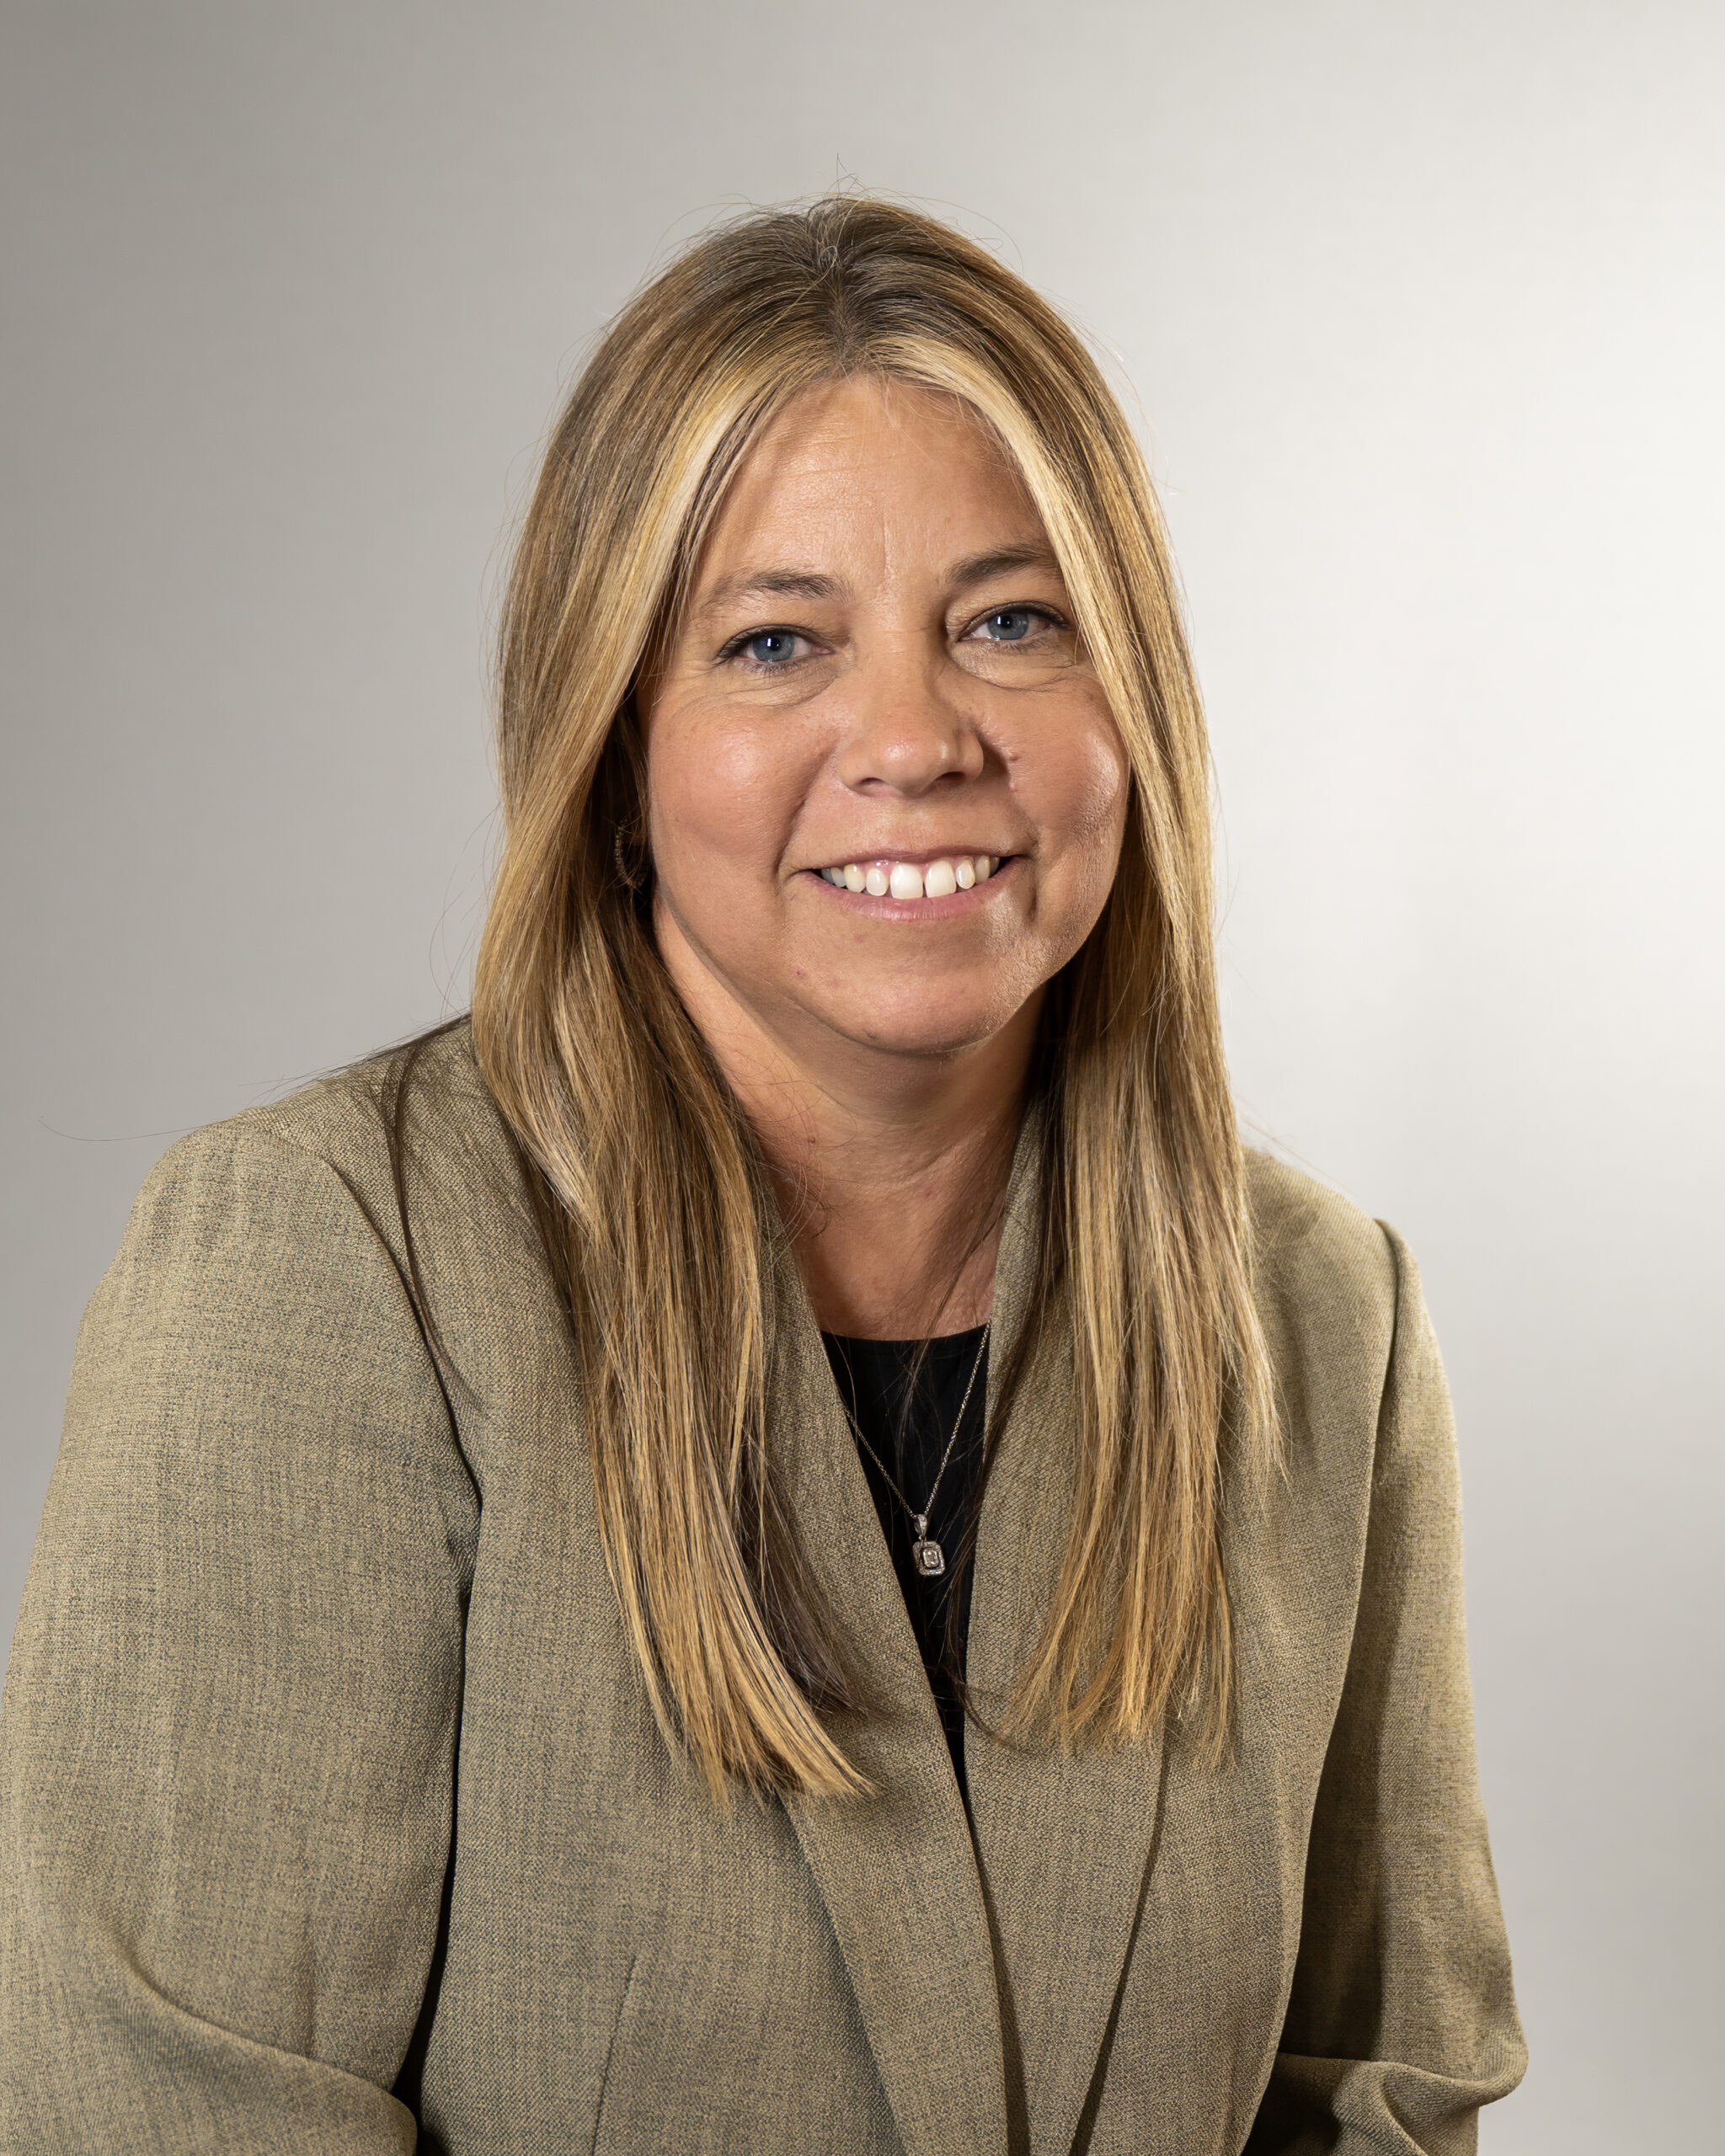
(323, 1753)
(905, 1401)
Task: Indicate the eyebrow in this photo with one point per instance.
(810, 584)
(1000, 560)
(770, 584)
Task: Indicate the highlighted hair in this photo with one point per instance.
(652, 1193)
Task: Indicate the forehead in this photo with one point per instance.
(868, 463)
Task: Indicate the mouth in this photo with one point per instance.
(911, 882)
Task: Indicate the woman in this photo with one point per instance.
(780, 1543)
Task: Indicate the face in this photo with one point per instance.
(885, 795)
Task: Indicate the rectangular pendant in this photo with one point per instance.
(931, 1559)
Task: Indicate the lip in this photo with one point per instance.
(885, 857)
(864, 906)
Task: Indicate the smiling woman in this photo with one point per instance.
(814, 1335)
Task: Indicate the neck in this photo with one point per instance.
(895, 1207)
(890, 1168)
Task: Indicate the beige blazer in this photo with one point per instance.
(331, 1793)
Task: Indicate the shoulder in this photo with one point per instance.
(298, 1247)
(414, 1120)
(1328, 1277)
(432, 1086)
(1307, 1236)
(259, 1306)
(305, 1196)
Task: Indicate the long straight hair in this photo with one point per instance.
(654, 1199)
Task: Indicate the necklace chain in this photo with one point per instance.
(930, 1558)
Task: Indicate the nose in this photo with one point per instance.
(903, 734)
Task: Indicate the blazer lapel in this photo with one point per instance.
(1064, 1837)
(897, 1869)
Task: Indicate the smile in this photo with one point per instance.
(914, 879)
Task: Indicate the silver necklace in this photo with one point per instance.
(929, 1558)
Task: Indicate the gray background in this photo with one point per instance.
(1422, 307)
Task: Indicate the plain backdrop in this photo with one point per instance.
(1422, 310)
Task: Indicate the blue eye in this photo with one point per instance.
(771, 647)
(1009, 624)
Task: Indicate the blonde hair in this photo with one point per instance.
(653, 1194)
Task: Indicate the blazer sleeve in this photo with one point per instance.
(1401, 2019)
(230, 1719)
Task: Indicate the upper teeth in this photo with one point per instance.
(905, 879)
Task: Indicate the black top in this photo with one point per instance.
(910, 1435)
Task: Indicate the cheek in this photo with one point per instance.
(1100, 809)
(1082, 782)
(721, 797)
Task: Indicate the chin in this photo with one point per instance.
(925, 1025)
